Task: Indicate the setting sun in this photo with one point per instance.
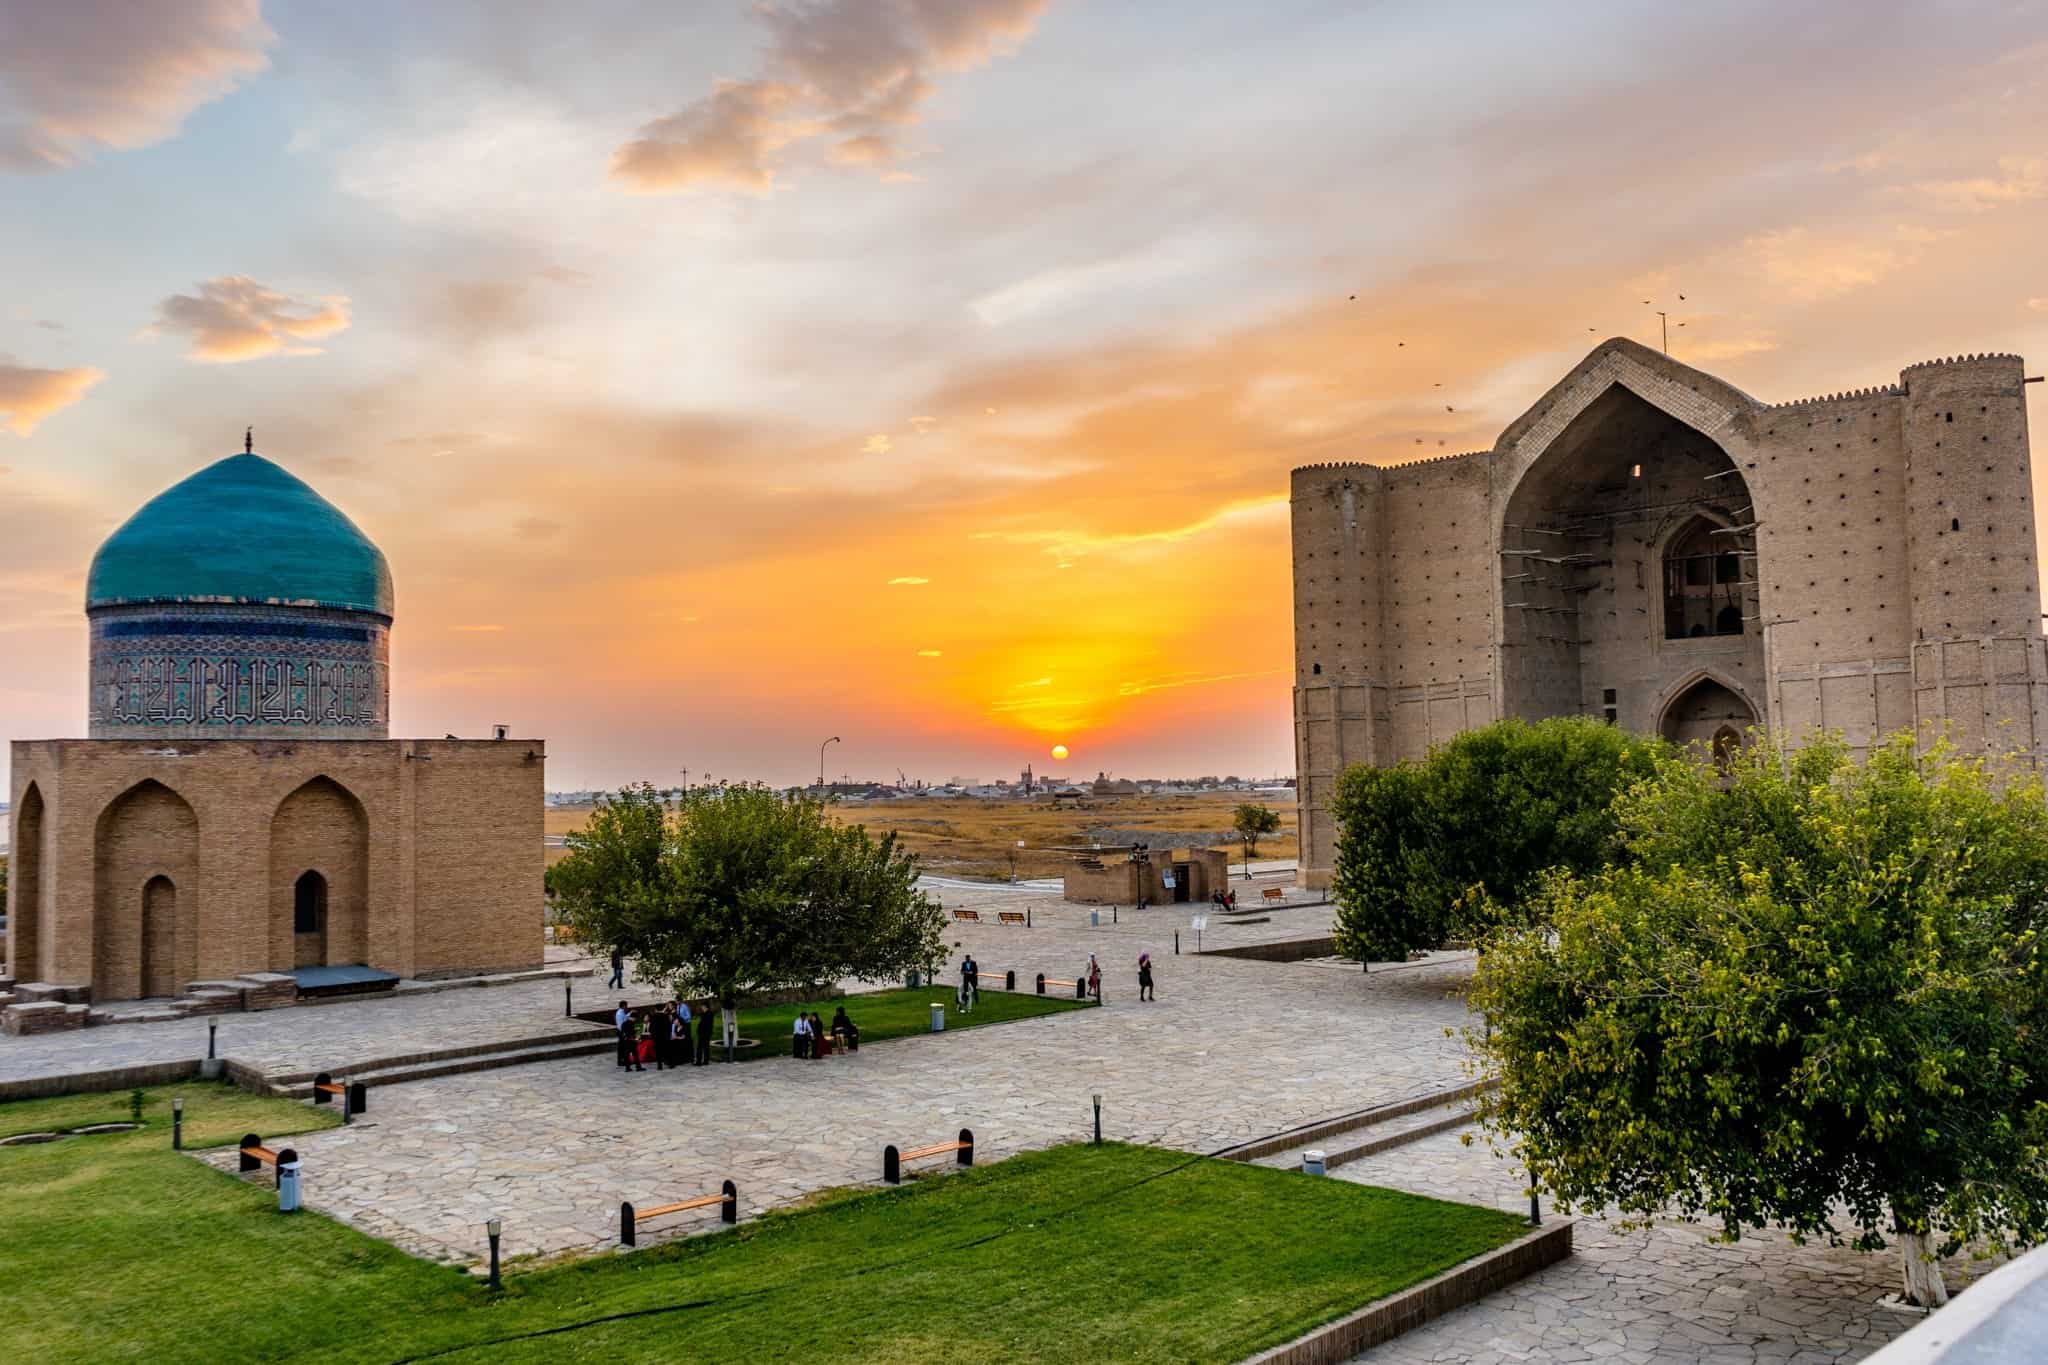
(1059, 751)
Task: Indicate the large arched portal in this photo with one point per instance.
(145, 853)
(1710, 714)
(319, 878)
(1627, 562)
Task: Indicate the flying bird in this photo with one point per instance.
(1681, 298)
(1437, 385)
(1400, 343)
(1449, 408)
(1646, 303)
(1354, 298)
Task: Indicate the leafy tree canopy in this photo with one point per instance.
(734, 890)
(1812, 993)
(1430, 851)
(1251, 820)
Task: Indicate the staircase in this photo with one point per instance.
(1370, 1131)
(583, 1041)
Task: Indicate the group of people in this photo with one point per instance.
(1223, 900)
(809, 1036)
(664, 1037)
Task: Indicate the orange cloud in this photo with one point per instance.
(28, 396)
(77, 75)
(234, 318)
(857, 72)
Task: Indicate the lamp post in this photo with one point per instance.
(1013, 862)
(492, 1228)
(1098, 1118)
(821, 763)
(177, 1123)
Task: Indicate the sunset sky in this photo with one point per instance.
(720, 375)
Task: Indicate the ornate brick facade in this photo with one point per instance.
(1650, 545)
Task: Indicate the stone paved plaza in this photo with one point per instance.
(1232, 1050)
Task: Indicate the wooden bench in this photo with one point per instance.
(1013, 917)
(1080, 987)
(255, 1156)
(355, 1099)
(892, 1160)
(1275, 893)
(971, 916)
(727, 1199)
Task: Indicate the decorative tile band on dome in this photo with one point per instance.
(1879, 391)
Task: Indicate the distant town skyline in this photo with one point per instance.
(722, 378)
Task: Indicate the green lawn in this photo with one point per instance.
(896, 1014)
(114, 1248)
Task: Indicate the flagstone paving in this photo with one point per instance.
(1232, 1050)
(1665, 1295)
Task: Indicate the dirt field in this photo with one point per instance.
(969, 838)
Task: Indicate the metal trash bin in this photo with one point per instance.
(288, 1181)
(1314, 1163)
(938, 1017)
(1094, 918)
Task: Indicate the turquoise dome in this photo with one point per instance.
(241, 530)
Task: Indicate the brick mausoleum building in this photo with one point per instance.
(238, 807)
(1651, 545)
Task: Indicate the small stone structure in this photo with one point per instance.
(1111, 876)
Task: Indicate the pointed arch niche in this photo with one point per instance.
(25, 872)
(1709, 713)
(319, 878)
(145, 903)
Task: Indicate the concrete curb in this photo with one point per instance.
(1397, 1313)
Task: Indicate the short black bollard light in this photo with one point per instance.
(492, 1228)
(177, 1123)
(1098, 1118)
(1176, 943)
(568, 1011)
(211, 1030)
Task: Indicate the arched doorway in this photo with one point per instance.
(309, 920)
(25, 919)
(1709, 713)
(1702, 582)
(145, 847)
(319, 878)
(160, 937)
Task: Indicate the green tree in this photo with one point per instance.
(741, 890)
(1250, 821)
(1812, 993)
(1434, 850)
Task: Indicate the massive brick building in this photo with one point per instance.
(238, 807)
(1650, 545)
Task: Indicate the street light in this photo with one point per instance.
(177, 1123)
(1013, 862)
(821, 763)
(493, 1227)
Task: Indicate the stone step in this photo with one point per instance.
(1319, 1133)
(42, 1016)
(580, 1033)
(456, 1066)
(1382, 1137)
(201, 1002)
(31, 991)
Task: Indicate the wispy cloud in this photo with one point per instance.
(906, 581)
(853, 73)
(77, 75)
(478, 630)
(233, 318)
(2019, 180)
(28, 396)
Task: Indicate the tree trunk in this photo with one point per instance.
(1923, 1282)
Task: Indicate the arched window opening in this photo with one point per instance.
(309, 904)
(1702, 584)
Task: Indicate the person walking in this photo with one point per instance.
(620, 1018)
(1145, 977)
(704, 1038)
(618, 981)
(1095, 978)
(970, 982)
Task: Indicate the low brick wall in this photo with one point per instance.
(93, 1082)
(1290, 950)
(1409, 1309)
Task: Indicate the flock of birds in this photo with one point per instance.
(1402, 345)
